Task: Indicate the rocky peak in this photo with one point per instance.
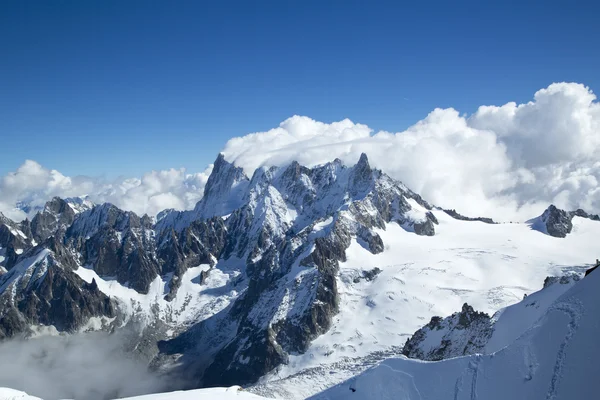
(562, 280)
(56, 206)
(56, 214)
(361, 180)
(465, 332)
(294, 171)
(224, 186)
(558, 223)
(103, 216)
(225, 191)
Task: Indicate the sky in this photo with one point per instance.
(110, 88)
(486, 107)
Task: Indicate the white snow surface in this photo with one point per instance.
(193, 302)
(489, 266)
(231, 393)
(557, 358)
(11, 394)
(234, 392)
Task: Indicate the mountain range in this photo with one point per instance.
(294, 274)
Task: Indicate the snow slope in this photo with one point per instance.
(489, 266)
(232, 393)
(557, 358)
(11, 394)
(193, 302)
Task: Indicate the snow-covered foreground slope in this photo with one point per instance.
(232, 393)
(489, 266)
(557, 358)
(11, 394)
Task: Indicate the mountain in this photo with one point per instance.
(558, 223)
(290, 273)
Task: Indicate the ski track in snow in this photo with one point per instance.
(530, 360)
(474, 368)
(574, 310)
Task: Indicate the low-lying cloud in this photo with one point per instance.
(33, 185)
(91, 366)
(508, 162)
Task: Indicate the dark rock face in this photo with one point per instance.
(117, 244)
(580, 213)
(48, 294)
(559, 223)
(13, 240)
(425, 228)
(562, 280)
(201, 243)
(57, 214)
(368, 275)
(373, 241)
(465, 332)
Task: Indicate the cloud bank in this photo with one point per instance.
(507, 162)
(31, 186)
(91, 366)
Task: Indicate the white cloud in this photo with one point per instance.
(156, 190)
(94, 365)
(507, 162)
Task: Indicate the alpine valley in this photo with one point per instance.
(326, 281)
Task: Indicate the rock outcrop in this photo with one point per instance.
(462, 333)
(559, 223)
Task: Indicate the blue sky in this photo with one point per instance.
(120, 88)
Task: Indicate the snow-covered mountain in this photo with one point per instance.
(293, 273)
(545, 349)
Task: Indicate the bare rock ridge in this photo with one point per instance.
(456, 215)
